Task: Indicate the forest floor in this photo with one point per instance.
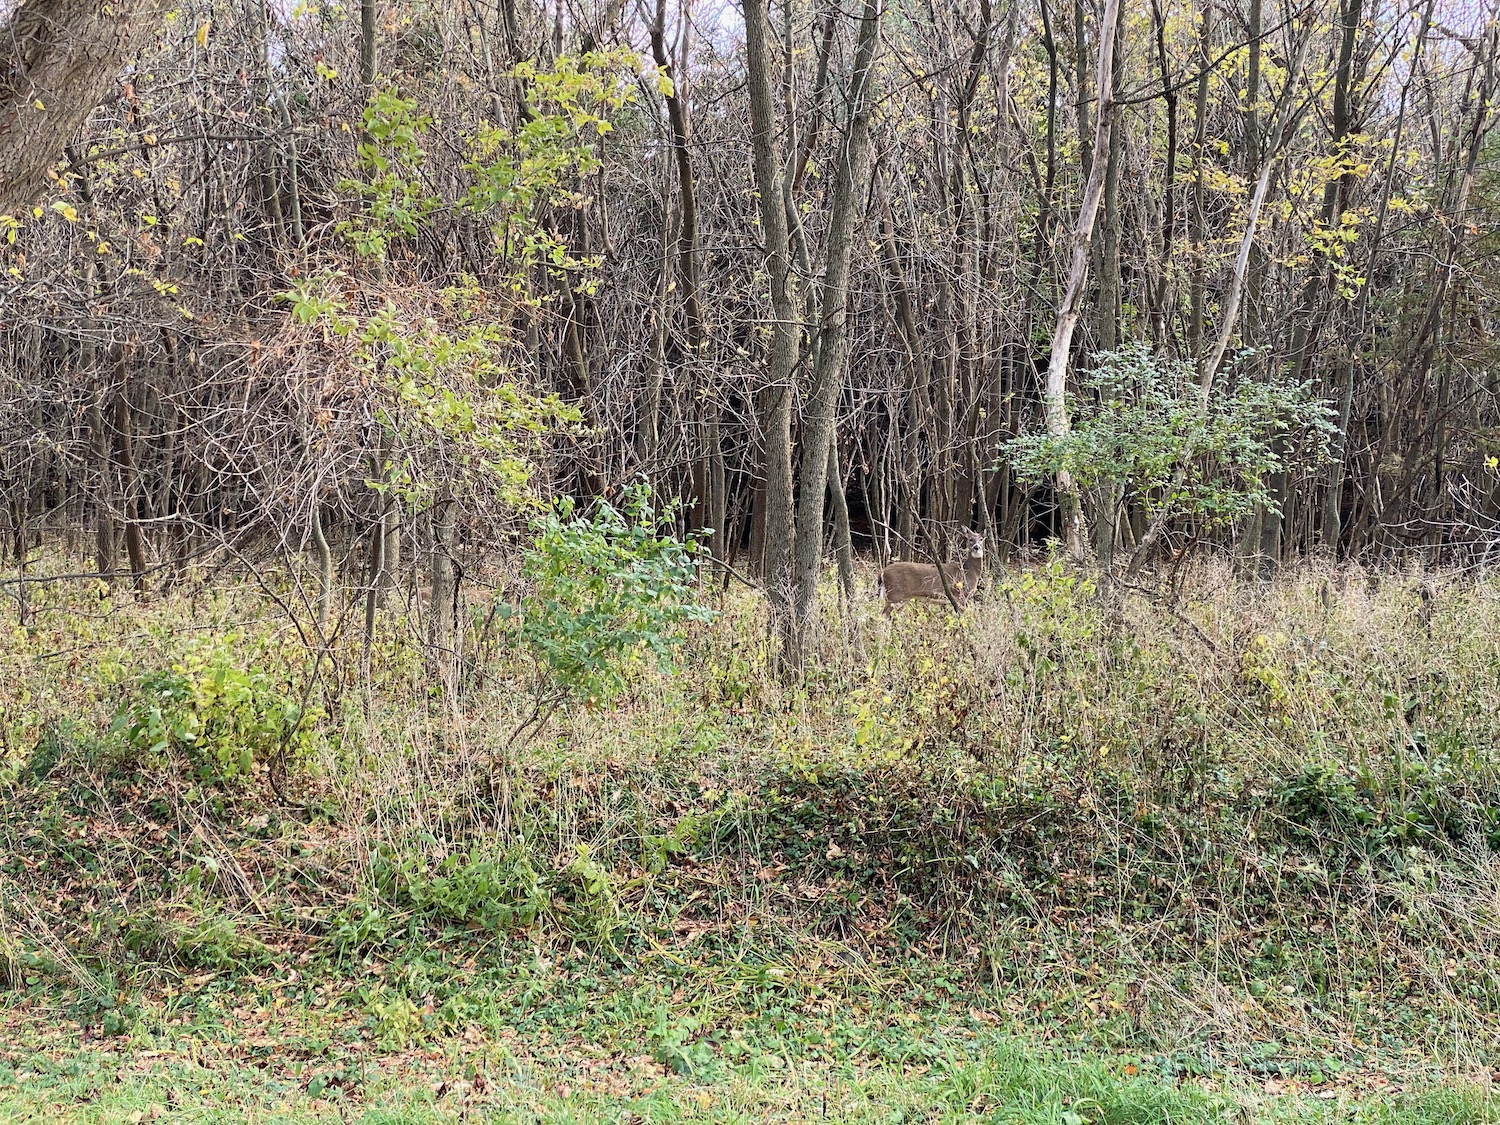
(1070, 858)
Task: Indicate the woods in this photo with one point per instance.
(812, 285)
(693, 560)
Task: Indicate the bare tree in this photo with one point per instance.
(831, 347)
(1071, 307)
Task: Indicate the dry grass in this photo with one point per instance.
(1259, 813)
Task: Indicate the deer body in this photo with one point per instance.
(902, 581)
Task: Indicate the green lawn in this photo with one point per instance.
(606, 1049)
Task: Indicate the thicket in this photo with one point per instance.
(1270, 815)
(446, 250)
(323, 312)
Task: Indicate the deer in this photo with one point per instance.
(902, 581)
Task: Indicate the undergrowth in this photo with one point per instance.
(1245, 831)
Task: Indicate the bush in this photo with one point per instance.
(609, 590)
(1144, 426)
(224, 717)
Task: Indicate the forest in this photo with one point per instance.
(616, 560)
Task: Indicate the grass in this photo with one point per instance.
(1069, 858)
(218, 1059)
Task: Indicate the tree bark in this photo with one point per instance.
(135, 546)
(57, 60)
(442, 636)
(781, 354)
(368, 28)
(325, 570)
(1072, 302)
(832, 348)
(1200, 235)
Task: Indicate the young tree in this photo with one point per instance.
(1069, 310)
(831, 340)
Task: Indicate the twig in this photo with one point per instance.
(736, 574)
(1157, 598)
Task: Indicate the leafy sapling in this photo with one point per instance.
(610, 590)
(1144, 427)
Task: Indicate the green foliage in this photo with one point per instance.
(1058, 782)
(608, 590)
(488, 887)
(443, 379)
(396, 204)
(516, 172)
(496, 893)
(514, 175)
(396, 1018)
(204, 940)
(675, 1043)
(659, 850)
(215, 942)
(22, 962)
(358, 928)
(1144, 424)
(223, 716)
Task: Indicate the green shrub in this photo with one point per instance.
(497, 893)
(1145, 430)
(608, 590)
(224, 717)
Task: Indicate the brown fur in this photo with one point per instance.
(902, 581)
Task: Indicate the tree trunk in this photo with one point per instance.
(106, 548)
(843, 543)
(1072, 302)
(1229, 318)
(442, 638)
(1313, 309)
(369, 25)
(135, 547)
(57, 60)
(325, 570)
(833, 328)
(1333, 524)
(778, 531)
(1200, 232)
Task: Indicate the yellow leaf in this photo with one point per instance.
(38, 104)
(203, 34)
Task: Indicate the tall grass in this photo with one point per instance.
(1264, 812)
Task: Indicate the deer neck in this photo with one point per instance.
(972, 566)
